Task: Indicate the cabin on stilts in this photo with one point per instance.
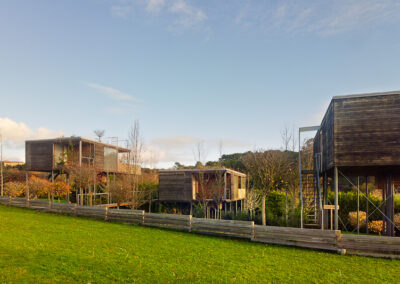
(55, 156)
(358, 142)
(221, 189)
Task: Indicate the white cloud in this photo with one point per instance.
(165, 151)
(15, 133)
(320, 17)
(184, 14)
(188, 15)
(154, 6)
(112, 93)
(120, 11)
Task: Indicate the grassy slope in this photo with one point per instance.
(44, 247)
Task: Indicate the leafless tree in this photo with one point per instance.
(99, 133)
(267, 169)
(286, 136)
(135, 141)
(253, 201)
(83, 177)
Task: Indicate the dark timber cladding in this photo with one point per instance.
(360, 136)
(360, 130)
(184, 185)
(47, 154)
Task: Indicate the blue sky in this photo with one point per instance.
(230, 71)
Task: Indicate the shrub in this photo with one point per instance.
(348, 203)
(14, 189)
(397, 220)
(38, 187)
(375, 227)
(353, 219)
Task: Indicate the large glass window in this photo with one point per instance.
(60, 155)
(110, 159)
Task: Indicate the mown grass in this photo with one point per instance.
(40, 247)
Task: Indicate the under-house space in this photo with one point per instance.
(219, 188)
(356, 145)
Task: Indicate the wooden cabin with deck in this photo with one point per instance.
(49, 155)
(360, 137)
(218, 186)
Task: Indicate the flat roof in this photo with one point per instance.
(203, 170)
(366, 95)
(77, 139)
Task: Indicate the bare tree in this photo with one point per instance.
(267, 169)
(294, 140)
(82, 177)
(253, 201)
(201, 177)
(135, 159)
(286, 136)
(99, 133)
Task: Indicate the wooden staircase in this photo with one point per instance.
(310, 200)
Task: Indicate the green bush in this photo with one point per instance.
(275, 212)
(348, 203)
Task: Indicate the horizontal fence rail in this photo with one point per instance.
(371, 245)
(376, 246)
(307, 238)
(226, 228)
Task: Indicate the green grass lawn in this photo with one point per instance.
(43, 247)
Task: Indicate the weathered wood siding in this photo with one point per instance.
(175, 186)
(366, 131)
(39, 155)
(323, 142)
(361, 131)
(99, 157)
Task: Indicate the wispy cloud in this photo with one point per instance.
(165, 151)
(154, 6)
(15, 133)
(120, 11)
(181, 14)
(188, 15)
(112, 93)
(320, 17)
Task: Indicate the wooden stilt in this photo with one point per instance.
(358, 205)
(336, 183)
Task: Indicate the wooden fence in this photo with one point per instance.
(306, 238)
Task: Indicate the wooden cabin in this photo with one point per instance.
(360, 136)
(188, 185)
(48, 155)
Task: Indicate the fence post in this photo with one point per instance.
(338, 241)
(190, 223)
(252, 231)
(76, 209)
(106, 216)
(143, 216)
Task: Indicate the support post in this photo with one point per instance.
(336, 184)
(301, 186)
(52, 180)
(358, 205)
(27, 188)
(80, 153)
(321, 209)
(325, 197)
(366, 209)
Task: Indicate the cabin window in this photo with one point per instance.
(60, 154)
(239, 182)
(110, 159)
